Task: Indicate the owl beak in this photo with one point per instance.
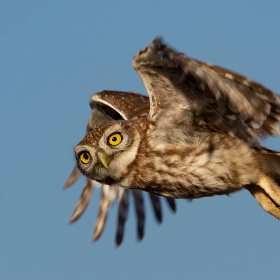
(104, 159)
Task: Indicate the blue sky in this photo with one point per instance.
(53, 56)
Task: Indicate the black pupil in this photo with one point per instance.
(85, 156)
(114, 139)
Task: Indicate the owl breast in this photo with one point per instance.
(207, 167)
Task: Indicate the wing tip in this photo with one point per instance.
(74, 176)
(172, 204)
(96, 235)
(116, 246)
(140, 234)
(73, 219)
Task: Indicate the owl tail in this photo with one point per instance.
(267, 191)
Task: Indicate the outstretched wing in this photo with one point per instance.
(108, 106)
(186, 94)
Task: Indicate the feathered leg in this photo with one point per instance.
(270, 187)
(264, 201)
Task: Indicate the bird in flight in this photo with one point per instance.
(106, 107)
(200, 137)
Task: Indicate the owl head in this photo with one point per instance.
(106, 153)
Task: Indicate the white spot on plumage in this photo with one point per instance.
(229, 76)
(247, 82)
(144, 115)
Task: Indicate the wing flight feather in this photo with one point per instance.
(190, 93)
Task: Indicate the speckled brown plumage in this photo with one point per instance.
(108, 106)
(200, 137)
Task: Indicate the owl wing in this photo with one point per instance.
(108, 106)
(185, 92)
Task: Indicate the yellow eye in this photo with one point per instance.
(85, 157)
(115, 139)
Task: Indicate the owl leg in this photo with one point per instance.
(270, 187)
(264, 201)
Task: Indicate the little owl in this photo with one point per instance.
(200, 137)
(106, 107)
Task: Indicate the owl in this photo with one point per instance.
(200, 138)
(108, 106)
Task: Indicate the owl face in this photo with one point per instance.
(105, 154)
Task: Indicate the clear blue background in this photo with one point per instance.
(53, 56)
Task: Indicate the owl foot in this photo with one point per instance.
(264, 201)
(270, 187)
